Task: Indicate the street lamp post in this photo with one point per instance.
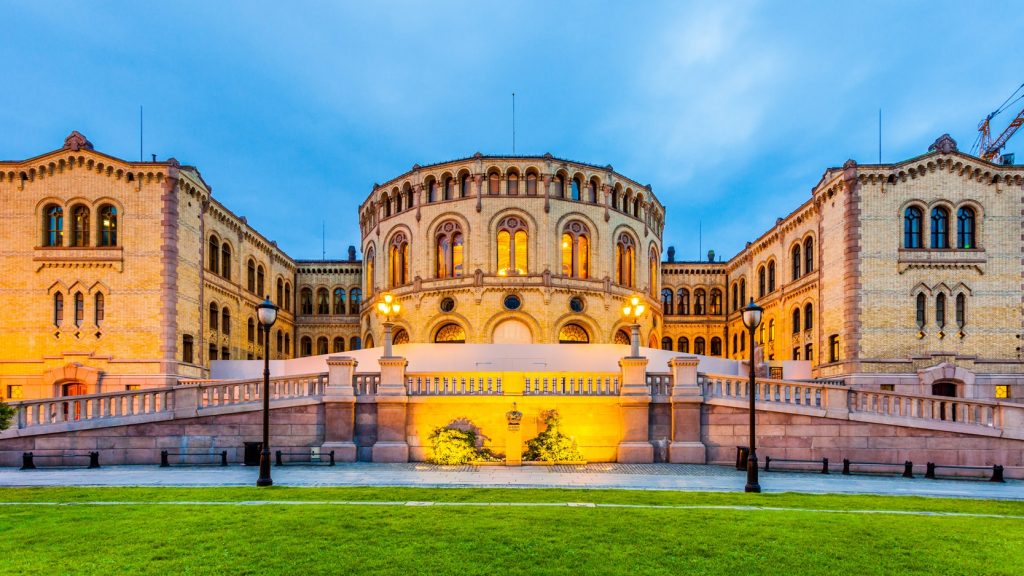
(751, 319)
(388, 306)
(266, 313)
(633, 310)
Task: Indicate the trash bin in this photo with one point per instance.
(742, 452)
(252, 453)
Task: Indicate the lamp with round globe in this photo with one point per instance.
(632, 311)
(266, 313)
(751, 314)
(387, 307)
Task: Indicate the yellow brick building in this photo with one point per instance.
(905, 276)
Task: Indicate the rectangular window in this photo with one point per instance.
(131, 387)
(213, 352)
(186, 348)
(796, 353)
(1002, 391)
(14, 392)
(809, 352)
(833, 348)
(887, 387)
(224, 354)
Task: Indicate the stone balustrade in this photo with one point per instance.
(941, 408)
(767, 390)
(660, 384)
(227, 393)
(582, 384)
(92, 407)
(454, 384)
(365, 384)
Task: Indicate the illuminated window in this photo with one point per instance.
(398, 260)
(450, 250)
(58, 309)
(14, 392)
(716, 301)
(368, 273)
(622, 337)
(698, 345)
(400, 337)
(100, 308)
(339, 300)
(338, 345)
(450, 334)
(575, 250)
(625, 261)
(53, 226)
(1002, 391)
(573, 334)
(512, 247)
(355, 299)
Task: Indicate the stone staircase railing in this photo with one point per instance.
(584, 384)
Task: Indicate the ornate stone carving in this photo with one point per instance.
(76, 141)
(944, 145)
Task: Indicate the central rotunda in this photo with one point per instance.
(511, 249)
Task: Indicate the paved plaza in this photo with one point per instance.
(683, 477)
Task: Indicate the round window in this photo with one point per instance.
(576, 304)
(447, 304)
(512, 302)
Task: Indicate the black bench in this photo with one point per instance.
(280, 461)
(997, 470)
(768, 462)
(28, 458)
(908, 466)
(165, 454)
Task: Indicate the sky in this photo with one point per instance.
(732, 111)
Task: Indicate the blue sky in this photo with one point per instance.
(730, 110)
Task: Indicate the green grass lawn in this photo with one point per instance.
(153, 538)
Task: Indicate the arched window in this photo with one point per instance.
(698, 345)
(449, 188)
(214, 256)
(920, 310)
(683, 345)
(735, 297)
(322, 305)
(288, 296)
(400, 337)
(432, 191)
(398, 202)
(250, 331)
(716, 301)
(652, 272)
(385, 202)
(259, 281)
(667, 305)
(450, 334)
(306, 301)
(961, 310)
(338, 345)
(771, 276)
(912, 227)
(450, 250)
(531, 184)
(940, 228)
(512, 247)
(666, 343)
(398, 260)
(512, 188)
(808, 255)
(214, 315)
(684, 302)
(260, 340)
(771, 330)
(280, 293)
(797, 262)
(625, 261)
(592, 197)
(621, 337)
(716, 346)
(576, 250)
(808, 317)
(287, 344)
(940, 310)
(355, 299)
(368, 342)
(573, 334)
(965, 228)
(408, 196)
(467, 187)
(58, 309)
(615, 198)
(99, 310)
(306, 346)
(638, 203)
(743, 292)
(53, 226)
(761, 282)
(225, 320)
(277, 343)
(735, 348)
(225, 260)
(493, 183)
(575, 189)
(699, 302)
(355, 343)
(339, 301)
(368, 272)
(108, 225)
(80, 226)
(321, 345)
(250, 275)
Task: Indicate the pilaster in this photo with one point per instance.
(339, 409)
(634, 407)
(685, 445)
(392, 399)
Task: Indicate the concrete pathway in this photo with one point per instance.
(683, 477)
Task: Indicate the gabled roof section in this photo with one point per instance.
(77, 142)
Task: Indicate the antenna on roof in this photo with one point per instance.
(323, 240)
(140, 133)
(513, 123)
(879, 135)
(700, 238)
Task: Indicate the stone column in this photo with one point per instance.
(186, 401)
(634, 406)
(478, 184)
(685, 445)
(392, 401)
(340, 409)
(546, 178)
(837, 401)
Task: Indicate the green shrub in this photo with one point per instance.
(551, 445)
(6, 415)
(454, 446)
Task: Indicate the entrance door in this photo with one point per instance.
(73, 389)
(945, 408)
(512, 332)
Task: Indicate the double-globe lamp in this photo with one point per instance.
(632, 311)
(266, 314)
(752, 319)
(388, 306)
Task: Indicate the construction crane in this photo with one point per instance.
(988, 148)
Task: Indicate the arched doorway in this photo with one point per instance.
(946, 410)
(72, 408)
(512, 332)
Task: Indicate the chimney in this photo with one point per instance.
(711, 255)
(671, 254)
(351, 253)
